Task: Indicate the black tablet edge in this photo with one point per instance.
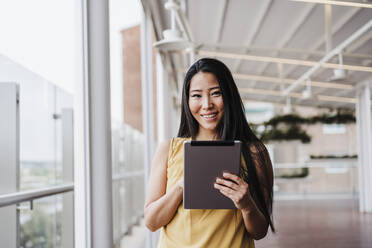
(212, 143)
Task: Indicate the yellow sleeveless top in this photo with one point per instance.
(200, 228)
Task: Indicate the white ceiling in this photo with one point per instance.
(276, 29)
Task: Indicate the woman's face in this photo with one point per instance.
(205, 101)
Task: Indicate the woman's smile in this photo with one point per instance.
(209, 116)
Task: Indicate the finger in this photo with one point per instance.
(221, 187)
(225, 193)
(224, 188)
(233, 177)
(236, 194)
(227, 183)
(232, 194)
(228, 194)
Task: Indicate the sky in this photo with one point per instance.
(43, 36)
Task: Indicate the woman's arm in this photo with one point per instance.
(238, 190)
(254, 221)
(160, 205)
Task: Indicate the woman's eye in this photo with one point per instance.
(216, 93)
(195, 95)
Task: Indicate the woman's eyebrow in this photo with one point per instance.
(216, 87)
(195, 90)
(212, 88)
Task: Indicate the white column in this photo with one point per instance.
(168, 105)
(93, 179)
(9, 161)
(164, 102)
(364, 132)
(147, 104)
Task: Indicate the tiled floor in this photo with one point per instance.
(304, 224)
(136, 239)
(319, 223)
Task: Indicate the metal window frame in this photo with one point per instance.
(92, 129)
(147, 102)
(9, 157)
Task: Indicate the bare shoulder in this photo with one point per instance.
(164, 146)
(161, 154)
(158, 176)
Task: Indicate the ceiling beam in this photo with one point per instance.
(336, 94)
(292, 30)
(319, 42)
(297, 95)
(252, 35)
(281, 60)
(332, 53)
(276, 80)
(360, 42)
(282, 50)
(342, 93)
(354, 46)
(339, 3)
(328, 105)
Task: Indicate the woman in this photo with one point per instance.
(211, 110)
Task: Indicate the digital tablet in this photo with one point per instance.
(203, 162)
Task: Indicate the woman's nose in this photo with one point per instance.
(207, 103)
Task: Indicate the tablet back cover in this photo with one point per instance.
(203, 162)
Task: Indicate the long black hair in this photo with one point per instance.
(233, 126)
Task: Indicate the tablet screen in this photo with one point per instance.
(203, 162)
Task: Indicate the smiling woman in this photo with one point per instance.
(211, 110)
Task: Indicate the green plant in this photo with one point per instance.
(304, 173)
(37, 232)
(332, 156)
(292, 133)
(292, 125)
(293, 119)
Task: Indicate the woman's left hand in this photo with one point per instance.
(236, 189)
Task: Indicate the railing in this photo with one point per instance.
(128, 175)
(326, 177)
(65, 233)
(127, 180)
(30, 195)
(322, 163)
(43, 113)
(127, 169)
